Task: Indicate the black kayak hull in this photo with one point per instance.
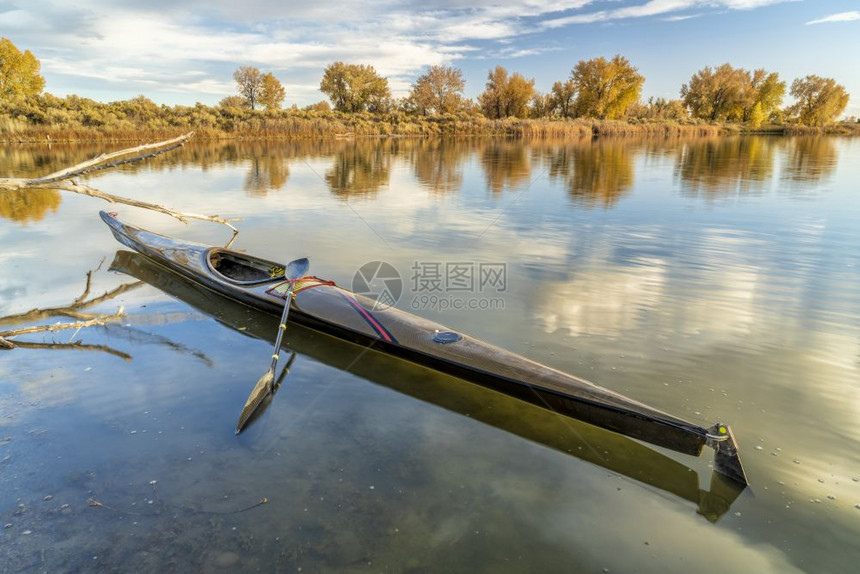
(345, 315)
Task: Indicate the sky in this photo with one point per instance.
(185, 51)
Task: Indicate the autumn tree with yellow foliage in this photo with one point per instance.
(732, 94)
(19, 72)
(606, 88)
(438, 91)
(249, 83)
(355, 88)
(819, 100)
(272, 93)
(506, 96)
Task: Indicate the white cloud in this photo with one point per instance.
(659, 8)
(681, 18)
(750, 4)
(840, 17)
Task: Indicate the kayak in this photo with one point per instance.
(611, 451)
(323, 306)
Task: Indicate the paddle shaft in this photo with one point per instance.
(276, 353)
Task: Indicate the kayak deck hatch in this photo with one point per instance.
(243, 269)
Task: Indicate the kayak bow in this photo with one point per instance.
(323, 306)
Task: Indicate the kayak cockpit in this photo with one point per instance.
(242, 269)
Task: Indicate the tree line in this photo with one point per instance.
(598, 88)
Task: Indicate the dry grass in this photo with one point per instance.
(91, 121)
(667, 128)
(334, 125)
(842, 129)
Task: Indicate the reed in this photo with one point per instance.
(842, 129)
(78, 120)
(665, 128)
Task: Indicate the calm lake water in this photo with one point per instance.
(713, 279)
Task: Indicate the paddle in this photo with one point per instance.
(266, 385)
(267, 399)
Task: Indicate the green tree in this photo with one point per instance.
(606, 88)
(438, 91)
(819, 100)
(272, 92)
(19, 72)
(249, 81)
(355, 88)
(506, 96)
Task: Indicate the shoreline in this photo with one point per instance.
(298, 126)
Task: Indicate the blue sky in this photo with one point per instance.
(182, 52)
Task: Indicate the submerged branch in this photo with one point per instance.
(86, 292)
(73, 310)
(96, 322)
(76, 346)
(144, 337)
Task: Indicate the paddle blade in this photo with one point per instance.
(297, 269)
(260, 392)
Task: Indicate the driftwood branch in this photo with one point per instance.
(63, 179)
(82, 189)
(101, 161)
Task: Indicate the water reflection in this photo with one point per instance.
(607, 302)
(725, 166)
(438, 163)
(810, 159)
(30, 205)
(269, 171)
(595, 173)
(506, 163)
(359, 168)
(31, 160)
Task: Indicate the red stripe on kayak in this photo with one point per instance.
(371, 320)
